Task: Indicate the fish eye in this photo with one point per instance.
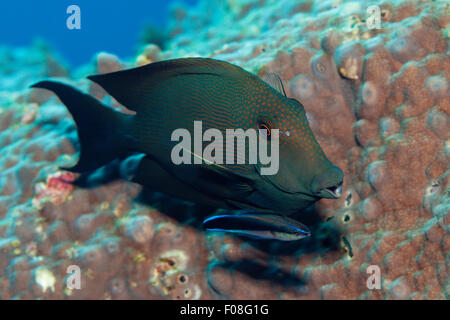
(265, 128)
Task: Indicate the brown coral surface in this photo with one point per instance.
(378, 101)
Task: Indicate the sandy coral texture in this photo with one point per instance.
(377, 100)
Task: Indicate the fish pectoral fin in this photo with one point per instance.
(242, 187)
(236, 184)
(219, 169)
(260, 226)
(247, 206)
(155, 177)
(224, 183)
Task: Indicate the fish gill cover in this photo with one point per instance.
(376, 96)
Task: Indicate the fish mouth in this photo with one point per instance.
(334, 192)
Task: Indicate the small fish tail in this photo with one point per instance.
(101, 130)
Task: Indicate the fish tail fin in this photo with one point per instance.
(102, 131)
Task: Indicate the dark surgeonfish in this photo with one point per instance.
(172, 94)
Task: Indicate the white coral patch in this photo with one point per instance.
(45, 279)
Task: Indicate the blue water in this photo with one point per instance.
(112, 26)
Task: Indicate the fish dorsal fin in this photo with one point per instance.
(274, 80)
(132, 87)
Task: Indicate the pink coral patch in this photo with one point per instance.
(56, 189)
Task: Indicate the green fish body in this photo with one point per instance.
(172, 94)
